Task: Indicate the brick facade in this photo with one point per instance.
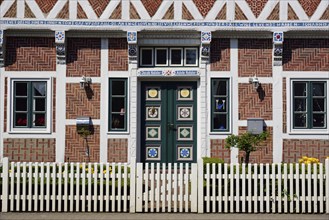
(99, 6)
(309, 6)
(117, 150)
(306, 55)
(118, 54)
(46, 5)
(255, 104)
(220, 54)
(293, 150)
(76, 146)
(151, 6)
(82, 102)
(29, 150)
(204, 6)
(256, 6)
(218, 150)
(255, 57)
(83, 57)
(30, 54)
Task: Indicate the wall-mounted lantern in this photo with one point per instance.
(85, 82)
(255, 82)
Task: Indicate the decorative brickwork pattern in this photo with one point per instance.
(76, 147)
(170, 13)
(29, 150)
(64, 14)
(204, 6)
(116, 14)
(220, 54)
(133, 12)
(30, 54)
(325, 15)
(151, 6)
(306, 55)
(5, 105)
(265, 152)
(293, 150)
(292, 14)
(239, 15)
(255, 57)
(82, 102)
(46, 5)
(255, 104)
(54, 105)
(83, 57)
(28, 13)
(218, 150)
(12, 11)
(117, 150)
(275, 14)
(309, 6)
(99, 6)
(186, 15)
(81, 12)
(221, 14)
(284, 105)
(256, 6)
(118, 54)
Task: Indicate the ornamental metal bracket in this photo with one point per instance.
(132, 46)
(60, 47)
(277, 48)
(2, 49)
(205, 46)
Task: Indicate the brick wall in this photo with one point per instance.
(220, 54)
(118, 54)
(83, 57)
(29, 150)
(265, 152)
(218, 150)
(76, 146)
(255, 57)
(82, 102)
(255, 104)
(151, 6)
(306, 55)
(30, 54)
(257, 6)
(293, 150)
(117, 150)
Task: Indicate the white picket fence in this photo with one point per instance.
(155, 187)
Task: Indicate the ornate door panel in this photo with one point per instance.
(169, 122)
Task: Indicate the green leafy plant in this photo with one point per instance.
(246, 142)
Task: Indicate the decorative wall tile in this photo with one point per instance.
(184, 113)
(184, 152)
(153, 153)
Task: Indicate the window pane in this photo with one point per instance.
(300, 105)
(220, 122)
(318, 120)
(39, 88)
(20, 119)
(220, 105)
(39, 120)
(219, 87)
(21, 104)
(318, 105)
(118, 105)
(118, 121)
(300, 120)
(300, 89)
(191, 56)
(161, 56)
(118, 88)
(176, 56)
(318, 89)
(147, 57)
(21, 89)
(40, 104)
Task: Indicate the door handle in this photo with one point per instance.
(171, 126)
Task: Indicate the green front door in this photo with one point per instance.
(169, 114)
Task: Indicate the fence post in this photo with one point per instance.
(327, 185)
(132, 206)
(5, 184)
(200, 186)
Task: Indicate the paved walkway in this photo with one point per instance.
(155, 216)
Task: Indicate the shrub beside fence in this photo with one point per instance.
(209, 187)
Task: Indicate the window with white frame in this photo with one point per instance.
(309, 104)
(30, 105)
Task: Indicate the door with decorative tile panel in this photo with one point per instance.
(169, 122)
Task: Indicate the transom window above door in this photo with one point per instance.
(168, 56)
